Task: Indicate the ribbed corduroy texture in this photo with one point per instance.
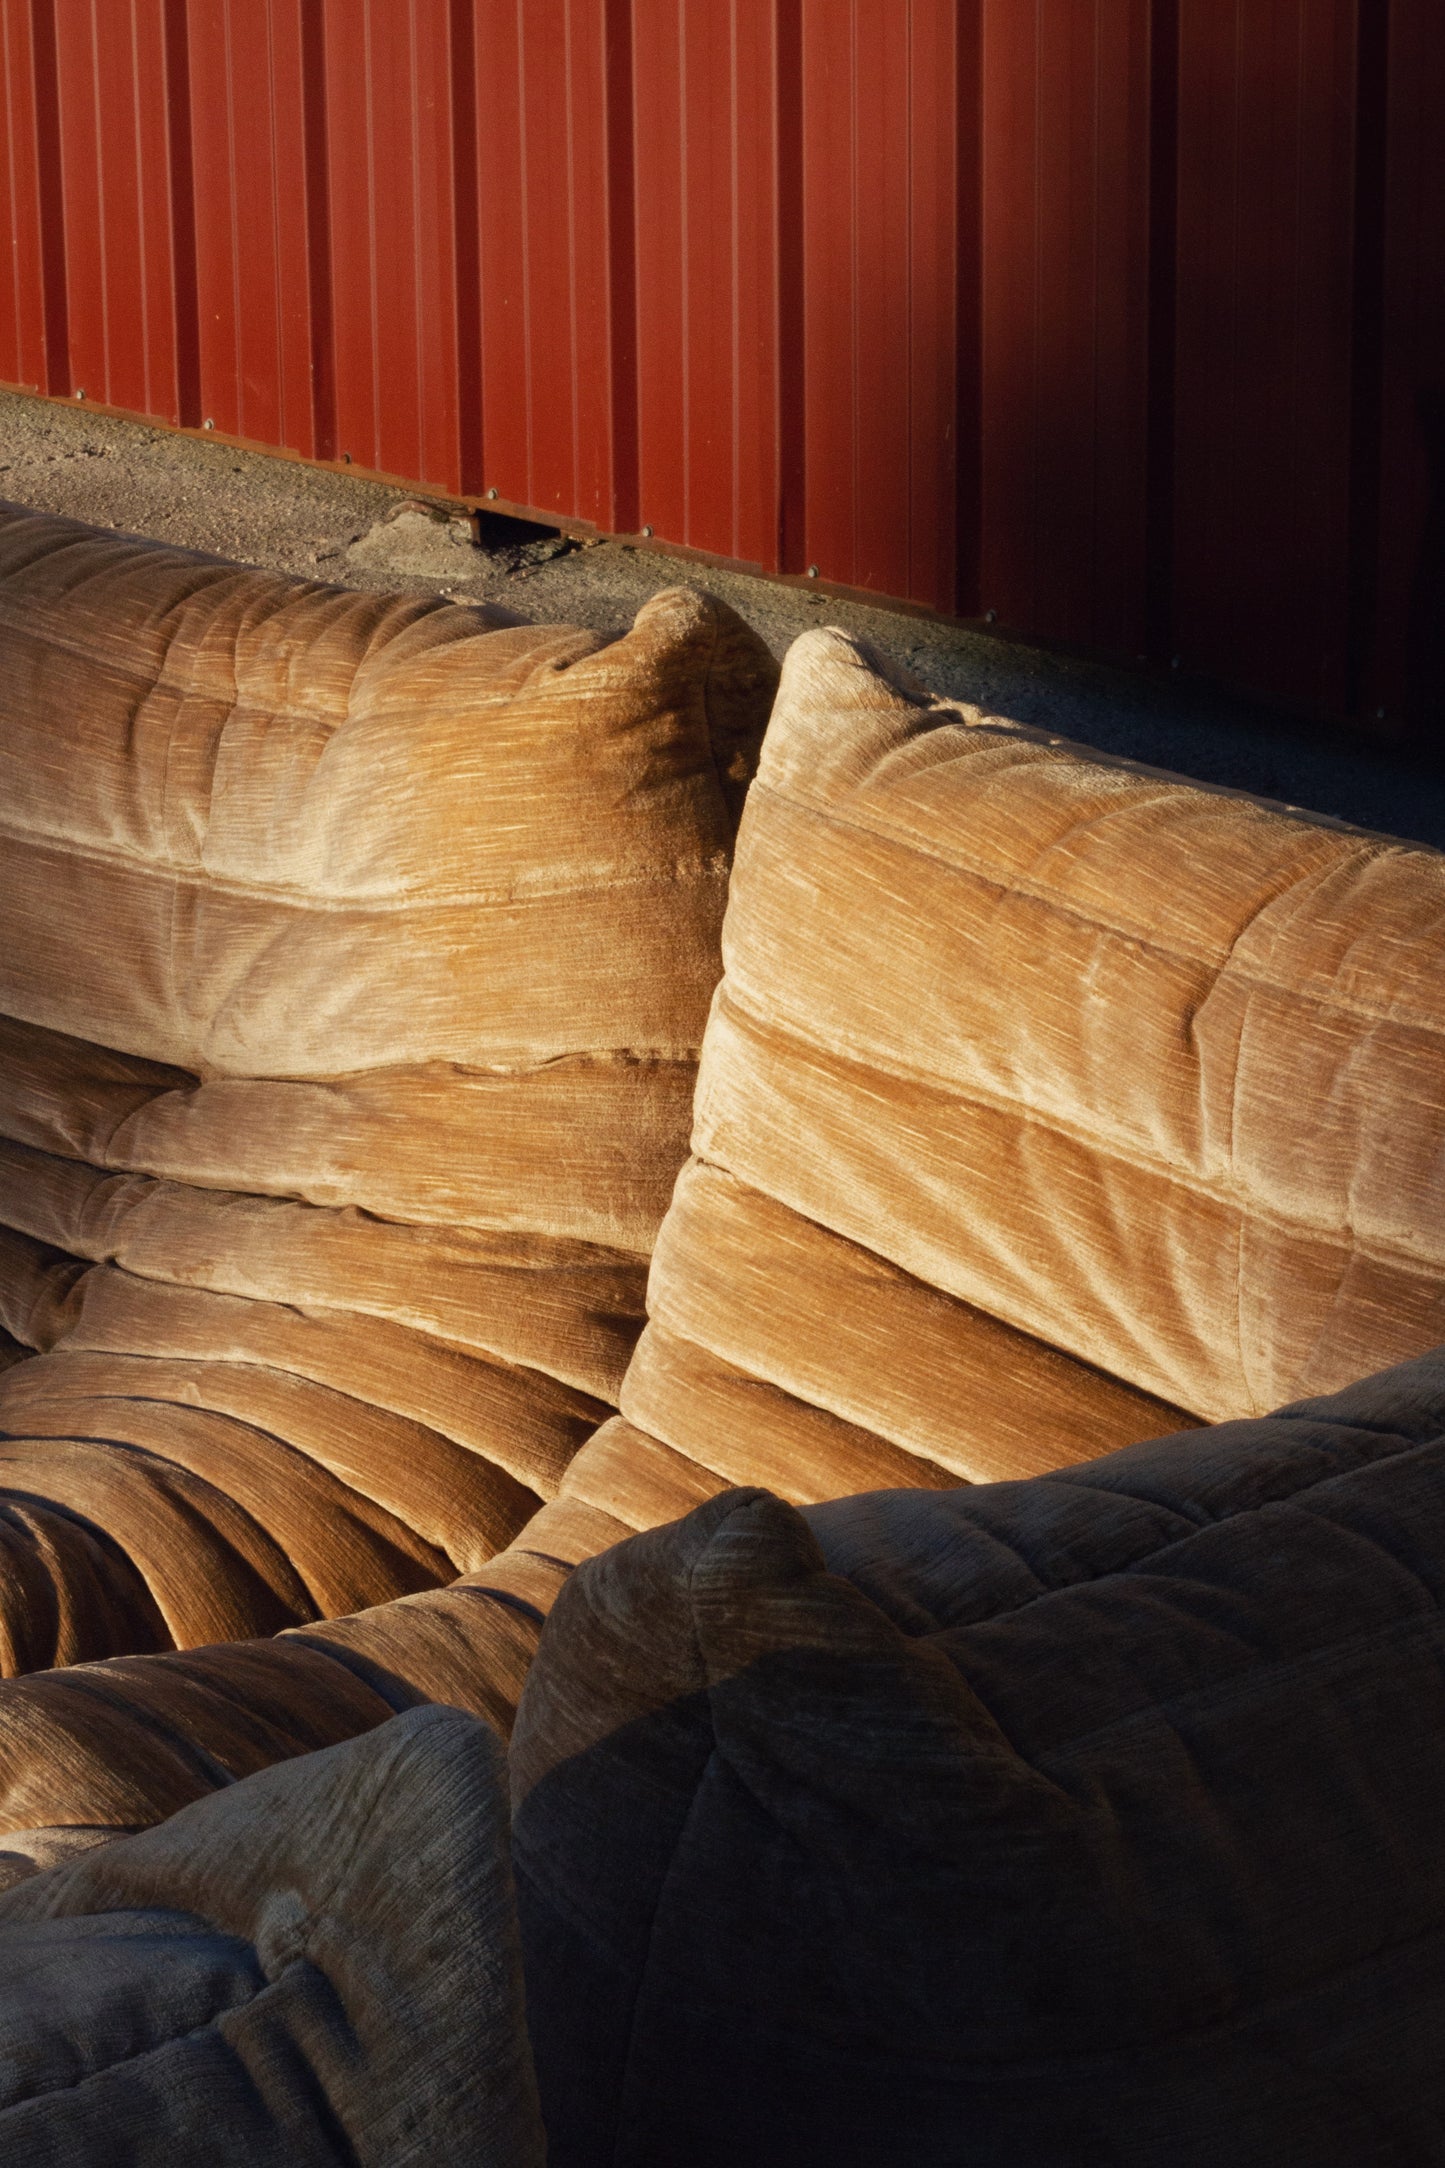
(1043, 1098)
(319, 1966)
(354, 955)
(1047, 1106)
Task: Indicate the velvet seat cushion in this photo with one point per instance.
(319, 1965)
(354, 956)
(1088, 1818)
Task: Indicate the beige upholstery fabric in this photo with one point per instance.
(1043, 1098)
(1047, 1106)
(354, 954)
(319, 1966)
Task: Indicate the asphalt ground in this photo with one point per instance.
(210, 495)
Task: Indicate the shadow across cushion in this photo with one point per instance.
(354, 956)
(319, 1965)
(1093, 1818)
(1047, 1103)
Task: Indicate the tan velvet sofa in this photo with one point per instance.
(1046, 1105)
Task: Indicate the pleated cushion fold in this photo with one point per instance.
(1047, 1104)
(354, 956)
(1091, 1818)
(319, 1966)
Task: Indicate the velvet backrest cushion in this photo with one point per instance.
(1047, 1104)
(1093, 1817)
(354, 955)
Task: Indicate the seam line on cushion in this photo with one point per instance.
(1019, 884)
(706, 704)
(627, 2086)
(873, 1424)
(392, 1405)
(316, 1310)
(356, 1502)
(1126, 2056)
(284, 592)
(1128, 1568)
(70, 2087)
(1050, 1350)
(706, 863)
(1425, 1625)
(1101, 1146)
(508, 1598)
(88, 1681)
(1366, 852)
(1055, 1356)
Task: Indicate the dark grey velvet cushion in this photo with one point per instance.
(1093, 1819)
(314, 1968)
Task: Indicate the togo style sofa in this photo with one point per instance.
(354, 955)
(1047, 1106)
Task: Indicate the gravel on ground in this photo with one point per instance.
(323, 524)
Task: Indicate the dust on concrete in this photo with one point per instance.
(333, 526)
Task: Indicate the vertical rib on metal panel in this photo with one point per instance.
(1409, 670)
(968, 308)
(1065, 316)
(792, 547)
(1158, 595)
(22, 265)
(466, 220)
(181, 173)
(707, 219)
(933, 372)
(393, 243)
(253, 274)
(127, 346)
(552, 244)
(1266, 156)
(1123, 318)
(880, 253)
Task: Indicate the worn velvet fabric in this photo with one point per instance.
(1045, 1103)
(354, 955)
(974, 1171)
(1093, 1818)
(319, 1965)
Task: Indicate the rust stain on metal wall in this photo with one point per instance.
(1120, 319)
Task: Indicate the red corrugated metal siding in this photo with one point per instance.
(1123, 320)
(389, 100)
(706, 163)
(1265, 280)
(879, 244)
(253, 187)
(1065, 317)
(124, 111)
(23, 358)
(556, 243)
(1407, 660)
